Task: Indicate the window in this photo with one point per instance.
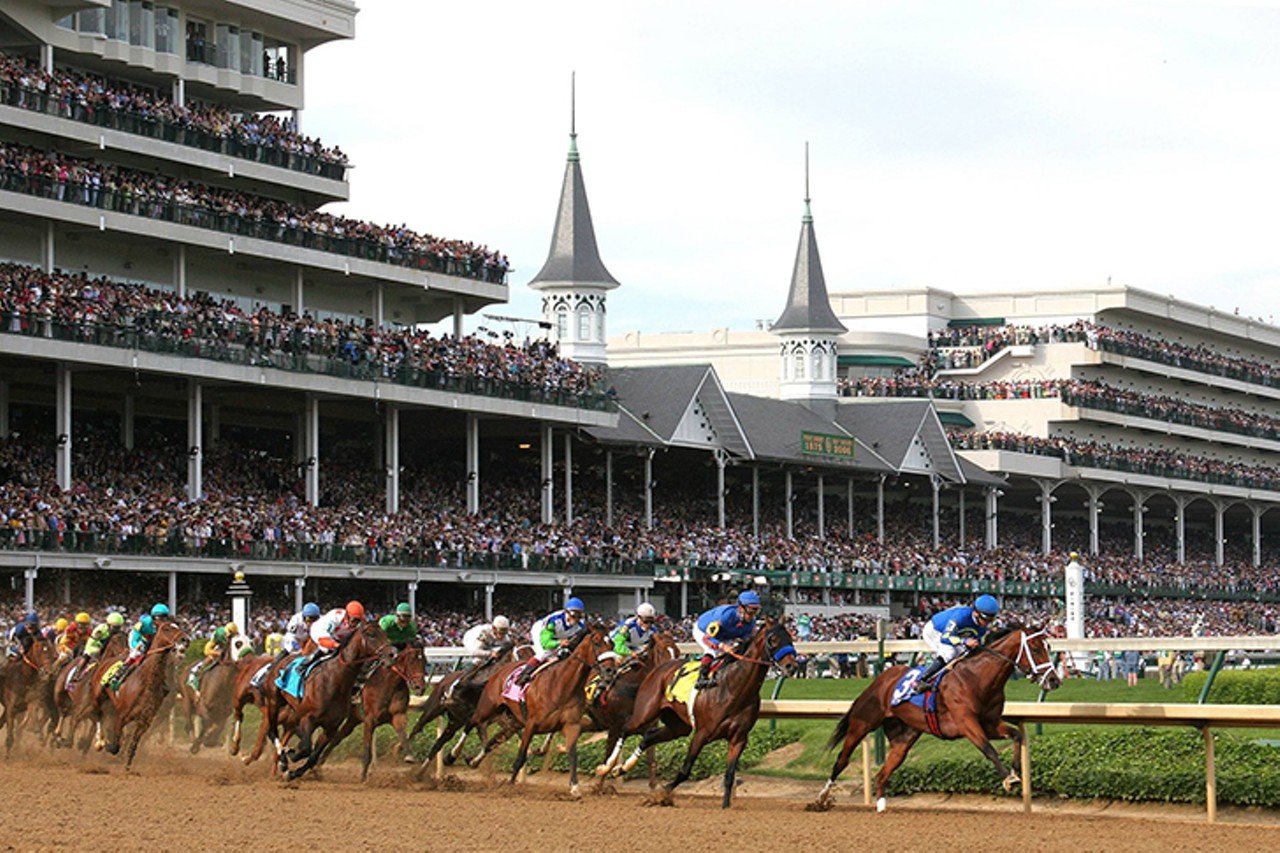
(166, 38)
(198, 47)
(584, 323)
(94, 21)
(600, 324)
(818, 359)
(562, 324)
(67, 22)
(118, 20)
(799, 366)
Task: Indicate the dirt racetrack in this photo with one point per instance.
(175, 801)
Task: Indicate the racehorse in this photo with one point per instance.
(73, 691)
(970, 704)
(326, 700)
(726, 711)
(139, 696)
(456, 695)
(611, 705)
(210, 705)
(21, 682)
(553, 701)
(385, 699)
(243, 692)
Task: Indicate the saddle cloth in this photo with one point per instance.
(111, 672)
(511, 688)
(193, 675)
(292, 679)
(904, 691)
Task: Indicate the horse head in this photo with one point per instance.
(661, 648)
(169, 635)
(1028, 650)
(589, 644)
(411, 665)
(780, 647)
(368, 643)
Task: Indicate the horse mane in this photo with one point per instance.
(1001, 633)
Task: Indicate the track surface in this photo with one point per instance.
(174, 800)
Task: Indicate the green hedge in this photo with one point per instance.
(1163, 765)
(1236, 687)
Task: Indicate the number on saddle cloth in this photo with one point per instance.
(904, 690)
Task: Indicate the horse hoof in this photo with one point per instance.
(449, 759)
(409, 759)
(822, 804)
(602, 770)
(881, 804)
(1010, 781)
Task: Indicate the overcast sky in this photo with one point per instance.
(962, 145)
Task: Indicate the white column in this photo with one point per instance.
(1219, 531)
(4, 408)
(788, 497)
(961, 506)
(391, 458)
(880, 510)
(179, 95)
(377, 310)
(311, 425)
(935, 485)
(63, 425)
(173, 592)
(849, 507)
(546, 452)
(648, 489)
(1180, 525)
(299, 593)
(1094, 505)
(1046, 499)
(29, 588)
(46, 58)
(1139, 534)
(195, 440)
(299, 292)
(993, 518)
(720, 459)
(488, 602)
(47, 253)
(822, 507)
(755, 501)
(413, 597)
(1257, 534)
(608, 488)
(473, 464)
(568, 476)
(180, 270)
(458, 314)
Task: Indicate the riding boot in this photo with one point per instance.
(705, 679)
(926, 678)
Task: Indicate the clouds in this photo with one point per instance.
(963, 146)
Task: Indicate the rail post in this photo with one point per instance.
(440, 752)
(866, 772)
(1040, 726)
(1210, 776)
(1026, 768)
(1218, 660)
(880, 744)
(777, 690)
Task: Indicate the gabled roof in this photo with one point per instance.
(774, 428)
(574, 259)
(979, 476)
(902, 431)
(808, 306)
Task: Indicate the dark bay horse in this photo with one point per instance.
(73, 691)
(611, 706)
(553, 701)
(384, 699)
(726, 711)
(970, 706)
(24, 680)
(456, 696)
(244, 693)
(326, 701)
(139, 697)
(208, 707)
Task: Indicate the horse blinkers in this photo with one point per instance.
(781, 650)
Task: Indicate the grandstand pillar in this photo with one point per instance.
(488, 601)
(391, 458)
(29, 587)
(126, 421)
(173, 592)
(1180, 523)
(1094, 504)
(546, 452)
(684, 598)
(935, 483)
(1257, 534)
(755, 501)
(62, 427)
(376, 311)
(849, 507)
(473, 464)
(822, 507)
(458, 314)
(180, 271)
(721, 459)
(568, 476)
(648, 489)
(47, 247)
(960, 507)
(311, 453)
(4, 408)
(1047, 501)
(880, 510)
(299, 593)
(299, 292)
(46, 58)
(179, 93)
(195, 442)
(413, 597)
(993, 518)
(1219, 534)
(608, 488)
(788, 498)
(1139, 532)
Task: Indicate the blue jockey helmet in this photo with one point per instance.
(33, 618)
(311, 610)
(749, 599)
(575, 604)
(159, 610)
(146, 625)
(987, 605)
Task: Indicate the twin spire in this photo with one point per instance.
(808, 306)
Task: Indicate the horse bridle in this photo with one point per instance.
(775, 658)
(1033, 669)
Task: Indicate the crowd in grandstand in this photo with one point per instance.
(124, 190)
(98, 100)
(99, 310)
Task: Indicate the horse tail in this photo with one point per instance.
(867, 697)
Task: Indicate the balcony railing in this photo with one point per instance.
(154, 128)
(127, 202)
(174, 339)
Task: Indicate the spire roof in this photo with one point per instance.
(808, 306)
(574, 258)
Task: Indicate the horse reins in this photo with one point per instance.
(1041, 669)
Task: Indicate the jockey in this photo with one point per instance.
(948, 631)
(23, 635)
(219, 642)
(552, 634)
(631, 636)
(140, 639)
(722, 626)
(74, 637)
(332, 630)
(483, 641)
(399, 627)
(98, 638)
(273, 644)
(298, 631)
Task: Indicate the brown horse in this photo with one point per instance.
(208, 707)
(553, 701)
(611, 706)
(726, 711)
(385, 699)
(456, 695)
(139, 696)
(72, 690)
(326, 702)
(244, 693)
(23, 681)
(970, 705)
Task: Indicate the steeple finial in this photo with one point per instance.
(573, 115)
(808, 214)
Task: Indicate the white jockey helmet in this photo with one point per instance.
(501, 623)
(646, 611)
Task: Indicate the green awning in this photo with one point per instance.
(873, 361)
(954, 419)
(976, 321)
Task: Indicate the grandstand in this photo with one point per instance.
(202, 371)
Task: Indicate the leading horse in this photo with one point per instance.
(970, 704)
(726, 711)
(137, 700)
(384, 699)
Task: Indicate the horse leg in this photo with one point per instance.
(856, 725)
(901, 739)
(523, 755)
(660, 733)
(264, 725)
(696, 743)
(612, 751)
(315, 751)
(456, 752)
(971, 729)
(367, 757)
(572, 732)
(1001, 729)
(450, 728)
(399, 719)
(651, 756)
(736, 744)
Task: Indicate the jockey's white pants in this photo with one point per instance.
(932, 638)
(701, 639)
